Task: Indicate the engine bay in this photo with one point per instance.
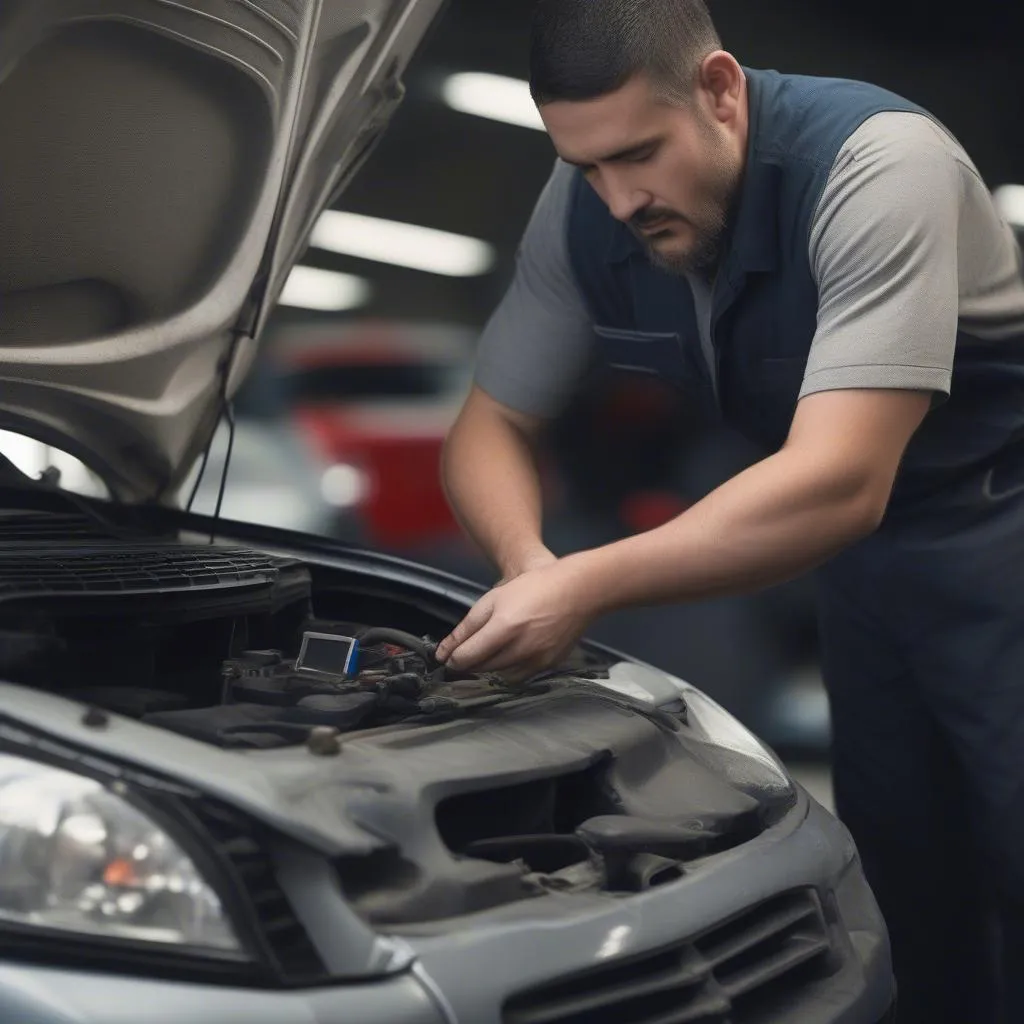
(226, 645)
(325, 677)
(567, 786)
(344, 677)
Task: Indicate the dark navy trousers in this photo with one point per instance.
(922, 631)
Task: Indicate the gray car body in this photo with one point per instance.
(465, 978)
(461, 970)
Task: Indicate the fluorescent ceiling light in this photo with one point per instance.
(493, 96)
(404, 245)
(312, 288)
(1010, 200)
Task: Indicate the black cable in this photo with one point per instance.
(230, 412)
(383, 634)
(226, 409)
(199, 479)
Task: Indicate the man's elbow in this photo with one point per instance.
(472, 418)
(450, 441)
(452, 455)
(865, 508)
(868, 518)
(852, 500)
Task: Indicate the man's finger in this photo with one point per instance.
(519, 664)
(501, 662)
(475, 618)
(512, 655)
(485, 643)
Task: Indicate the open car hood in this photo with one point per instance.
(164, 163)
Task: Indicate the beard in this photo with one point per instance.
(703, 254)
(709, 226)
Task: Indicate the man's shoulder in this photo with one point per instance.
(821, 89)
(557, 194)
(807, 119)
(900, 156)
(901, 132)
(550, 219)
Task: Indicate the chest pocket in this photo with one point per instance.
(662, 354)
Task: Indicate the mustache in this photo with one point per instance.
(644, 218)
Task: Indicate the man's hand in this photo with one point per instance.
(528, 624)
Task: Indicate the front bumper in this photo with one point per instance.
(480, 970)
(470, 974)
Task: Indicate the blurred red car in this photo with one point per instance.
(377, 399)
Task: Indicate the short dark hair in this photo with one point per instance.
(582, 49)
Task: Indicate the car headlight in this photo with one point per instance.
(727, 745)
(712, 734)
(724, 730)
(78, 858)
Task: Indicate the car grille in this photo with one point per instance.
(73, 570)
(768, 952)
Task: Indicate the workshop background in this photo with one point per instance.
(371, 351)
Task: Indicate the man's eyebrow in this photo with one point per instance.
(620, 154)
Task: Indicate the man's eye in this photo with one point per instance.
(643, 156)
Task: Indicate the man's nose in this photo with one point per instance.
(624, 200)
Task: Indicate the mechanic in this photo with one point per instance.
(818, 263)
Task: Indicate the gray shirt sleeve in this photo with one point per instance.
(538, 344)
(884, 254)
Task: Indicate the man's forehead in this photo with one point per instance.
(587, 131)
(624, 150)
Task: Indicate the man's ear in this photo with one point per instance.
(720, 83)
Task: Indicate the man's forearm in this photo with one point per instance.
(776, 520)
(490, 476)
(828, 487)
